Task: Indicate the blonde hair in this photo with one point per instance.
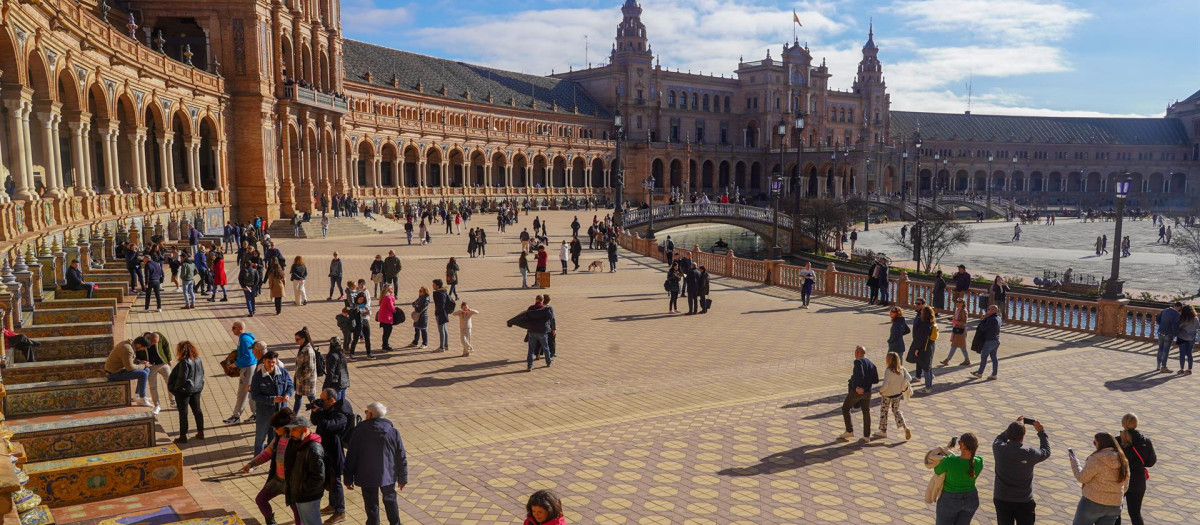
(1128, 422)
(893, 362)
(423, 291)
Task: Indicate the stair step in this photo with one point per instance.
(63, 436)
(61, 370)
(106, 476)
(50, 397)
(70, 347)
(228, 519)
(67, 304)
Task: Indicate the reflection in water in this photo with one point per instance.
(745, 244)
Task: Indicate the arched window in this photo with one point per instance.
(671, 99)
(695, 101)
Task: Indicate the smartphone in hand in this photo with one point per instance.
(1028, 421)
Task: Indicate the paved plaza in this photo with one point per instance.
(1152, 266)
(651, 418)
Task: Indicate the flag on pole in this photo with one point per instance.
(796, 17)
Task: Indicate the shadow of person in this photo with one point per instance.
(1139, 382)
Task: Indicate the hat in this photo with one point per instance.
(963, 266)
(301, 421)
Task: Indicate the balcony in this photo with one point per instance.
(314, 98)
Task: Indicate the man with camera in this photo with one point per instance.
(1013, 495)
(332, 418)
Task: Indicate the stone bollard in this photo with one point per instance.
(36, 268)
(1110, 317)
(46, 259)
(902, 290)
(25, 277)
(10, 294)
(831, 274)
(60, 263)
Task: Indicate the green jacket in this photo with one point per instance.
(163, 349)
(187, 271)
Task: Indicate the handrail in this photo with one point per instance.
(641, 216)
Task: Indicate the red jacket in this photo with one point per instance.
(218, 270)
(387, 309)
(543, 257)
(556, 521)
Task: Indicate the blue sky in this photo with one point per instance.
(1032, 57)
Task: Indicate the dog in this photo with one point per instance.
(596, 265)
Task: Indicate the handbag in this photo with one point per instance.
(959, 330)
(377, 278)
(229, 364)
(1145, 469)
(398, 317)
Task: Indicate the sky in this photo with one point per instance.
(1019, 57)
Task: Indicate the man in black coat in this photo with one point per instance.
(702, 290)
(537, 320)
(691, 284)
(154, 278)
(304, 471)
(576, 250)
(685, 267)
(332, 417)
(75, 279)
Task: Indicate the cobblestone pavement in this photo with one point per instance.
(1068, 243)
(653, 418)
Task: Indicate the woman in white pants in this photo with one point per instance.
(299, 276)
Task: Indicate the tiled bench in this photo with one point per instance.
(70, 347)
(51, 438)
(74, 315)
(59, 303)
(51, 397)
(230, 519)
(61, 370)
(105, 476)
(104, 292)
(41, 330)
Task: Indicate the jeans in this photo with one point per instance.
(262, 425)
(990, 349)
(1089, 512)
(336, 280)
(182, 403)
(249, 300)
(1015, 513)
(135, 278)
(564, 265)
(309, 512)
(953, 349)
(861, 401)
(1164, 349)
(263, 500)
(337, 495)
(371, 504)
(1185, 353)
(156, 288)
(524, 278)
(189, 294)
(125, 375)
(245, 374)
(224, 294)
(443, 336)
(693, 303)
(957, 508)
(365, 336)
(453, 291)
(537, 343)
(394, 281)
(420, 335)
(673, 303)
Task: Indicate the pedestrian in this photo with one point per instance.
(275, 282)
(853, 239)
(1016, 233)
(899, 329)
(692, 289)
(299, 276)
(331, 415)
(544, 508)
(962, 283)
(186, 383)
(872, 282)
(1139, 452)
(408, 231)
(305, 377)
(808, 281)
(959, 499)
(881, 279)
(1186, 337)
(122, 365)
(612, 256)
(923, 347)
(154, 278)
(377, 271)
(1013, 493)
(387, 316)
(958, 334)
(1105, 477)
(420, 318)
(576, 251)
(702, 286)
(672, 287)
(271, 389)
(187, 273)
(999, 296)
(1168, 328)
(1099, 246)
(248, 281)
(157, 358)
(335, 278)
(441, 311)
(376, 461)
(465, 326)
(525, 240)
(245, 361)
(360, 321)
(305, 471)
(523, 267)
(537, 320)
(552, 335)
(897, 386)
(452, 278)
(324, 226)
(564, 254)
(938, 297)
(862, 379)
(276, 454)
(391, 270)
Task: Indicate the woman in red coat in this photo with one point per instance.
(218, 275)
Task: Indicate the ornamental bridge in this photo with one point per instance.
(757, 220)
(906, 209)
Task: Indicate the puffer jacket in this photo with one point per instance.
(1100, 477)
(305, 470)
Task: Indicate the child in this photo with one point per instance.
(344, 324)
(464, 315)
(544, 508)
(428, 238)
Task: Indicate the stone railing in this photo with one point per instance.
(1109, 318)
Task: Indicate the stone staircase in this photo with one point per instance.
(338, 227)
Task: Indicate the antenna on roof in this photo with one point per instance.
(970, 90)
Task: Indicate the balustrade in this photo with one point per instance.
(1140, 323)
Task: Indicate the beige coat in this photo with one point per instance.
(934, 490)
(1099, 476)
(960, 320)
(122, 358)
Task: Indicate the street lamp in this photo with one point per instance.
(987, 181)
(933, 184)
(904, 178)
(867, 209)
(782, 135)
(917, 143)
(648, 184)
(776, 191)
(1113, 290)
(798, 124)
(619, 191)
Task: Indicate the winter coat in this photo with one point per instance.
(1139, 461)
(264, 388)
(672, 284)
(391, 267)
(187, 377)
(376, 268)
(703, 284)
(248, 277)
(1099, 476)
(960, 321)
(896, 337)
(451, 273)
(187, 272)
(331, 425)
(154, 271)
(376, 457)
(440, 301)
(536, 321)
(304, 467)
(218, 273)
(420, 314)
(335, 269)
(299, 272)
(939, 294)
(276, 284)
(387, 310)
(306, 371)
(337, 375)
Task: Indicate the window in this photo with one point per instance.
(674, 130)
(700, 132)
(727, 105)
(671, 99)
(776, 103)
(724, 133)
(705, 102)
(850, 115)
(695, 101)
(639, 122)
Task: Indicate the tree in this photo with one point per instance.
(1186, 243)
(825, 219)
(936, 237)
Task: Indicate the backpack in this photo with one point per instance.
(933, 333)
(450, 305)
(349, 432)
(319, 361)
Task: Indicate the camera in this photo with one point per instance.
(953, 442)
(1028, 421)
(313, 406)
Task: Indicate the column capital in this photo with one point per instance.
(15, 93)
(48, 107)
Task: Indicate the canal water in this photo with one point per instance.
(745, 244)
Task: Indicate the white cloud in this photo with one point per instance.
(991, 103)
(364, 17)
(1018, 21)
(940, 66)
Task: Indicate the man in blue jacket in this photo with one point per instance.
(375, 461)
(1168, 328)
(201, 261)
(270, 389)
(154, 278)
(133, 263)
(245, 364)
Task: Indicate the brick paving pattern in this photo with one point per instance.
(653, 418)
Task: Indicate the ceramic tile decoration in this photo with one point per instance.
(65, 396)
(71, 438)
(105, 476)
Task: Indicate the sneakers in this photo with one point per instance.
(156, 410)
(1165, 370)
(336, 518)
(907, 433)
(232, 420)
(864, 439)
(846, 436)
(879, 435)
(992, 377)
(976, 375)
(251, 418)
(141, 401)
(328, 509)
(926, 390)
(965, 363)
(944, 363)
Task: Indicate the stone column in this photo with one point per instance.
(11, 301)
(109, 131)
(48, 118)
(193, 164)
(37, 270)
(80, 160)
(25, 277)
(166, 160)
(21, 163)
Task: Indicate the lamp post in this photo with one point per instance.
(798, 125)
(649, 185)
(776, 191)
(1113, 290)
(783, 126)
(904, 178)
(945, 168)
(867, 209)
(933, 183)
(987, 181)
(619, 191)
(1008, 183)
(917, 143)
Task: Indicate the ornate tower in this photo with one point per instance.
(632, 60)
(870, 85)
